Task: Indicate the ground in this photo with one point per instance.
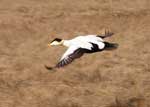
(119, 78)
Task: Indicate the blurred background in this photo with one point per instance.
(119, 78)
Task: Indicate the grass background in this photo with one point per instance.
(119, 78)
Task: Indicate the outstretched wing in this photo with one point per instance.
(106, 34)
(71, 54)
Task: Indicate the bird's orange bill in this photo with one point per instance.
(49, 45)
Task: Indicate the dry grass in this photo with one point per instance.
(119, 78)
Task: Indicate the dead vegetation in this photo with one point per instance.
(120, 78)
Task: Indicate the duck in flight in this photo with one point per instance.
(81, 45)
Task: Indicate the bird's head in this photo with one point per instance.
(56, 41)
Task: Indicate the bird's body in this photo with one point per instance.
(80, 45)
(85, 41)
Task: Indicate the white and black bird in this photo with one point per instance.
(81, 45)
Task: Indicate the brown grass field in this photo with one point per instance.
(119, 78)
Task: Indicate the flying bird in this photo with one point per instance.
(81, 45)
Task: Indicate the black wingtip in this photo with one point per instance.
(107, 34)
(49, 68)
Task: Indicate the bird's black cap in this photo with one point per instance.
(57, 39)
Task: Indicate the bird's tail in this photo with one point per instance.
(110, 46)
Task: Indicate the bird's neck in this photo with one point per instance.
(66, 43)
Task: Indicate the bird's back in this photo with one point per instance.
(89, 38)
(85, 41)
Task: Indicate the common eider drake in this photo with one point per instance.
(81, 45)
